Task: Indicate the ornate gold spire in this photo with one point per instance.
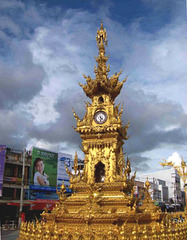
(102, 84)
(101, 70)
(76, 162)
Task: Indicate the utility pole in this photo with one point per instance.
(0, 229)
(22, 187)
(154, 198)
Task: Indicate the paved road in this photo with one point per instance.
(9, 234)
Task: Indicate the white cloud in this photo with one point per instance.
(158, 61)
(55, 48)
(42, 144)
(175, 158)
(11, 4)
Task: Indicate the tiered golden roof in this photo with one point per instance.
(103, 205)
(102, 84)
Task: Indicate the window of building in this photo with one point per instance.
(19, 171)
(9, 170)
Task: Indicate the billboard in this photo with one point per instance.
(63, 159)
(2, 165)
(43, 169)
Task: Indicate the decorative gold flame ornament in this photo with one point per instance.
(103, 205)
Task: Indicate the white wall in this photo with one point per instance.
(171, 178)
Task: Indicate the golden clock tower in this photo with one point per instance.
(103, 206)
(101, 128)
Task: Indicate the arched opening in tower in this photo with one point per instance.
(101, 100)
(99, 172)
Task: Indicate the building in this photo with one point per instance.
(163, 188)
(167, 182)
(34, 201)
(139, 188)
(155, 191)
(12, 184)
(159, 190)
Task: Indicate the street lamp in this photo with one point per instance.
(182, 172)
(22, 188)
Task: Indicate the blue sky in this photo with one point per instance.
(45, 48)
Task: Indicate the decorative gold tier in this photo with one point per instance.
(103, 212)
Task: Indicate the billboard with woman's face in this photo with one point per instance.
(43, 168)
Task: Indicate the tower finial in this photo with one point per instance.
(101, 36)
(101, 70)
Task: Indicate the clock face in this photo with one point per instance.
(100, 117)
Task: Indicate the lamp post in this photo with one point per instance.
(22, 187)
(182, 171)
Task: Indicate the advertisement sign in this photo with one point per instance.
(41, 204)
(43, 170)
(2, 165)
(64, 159)
(40, 194)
